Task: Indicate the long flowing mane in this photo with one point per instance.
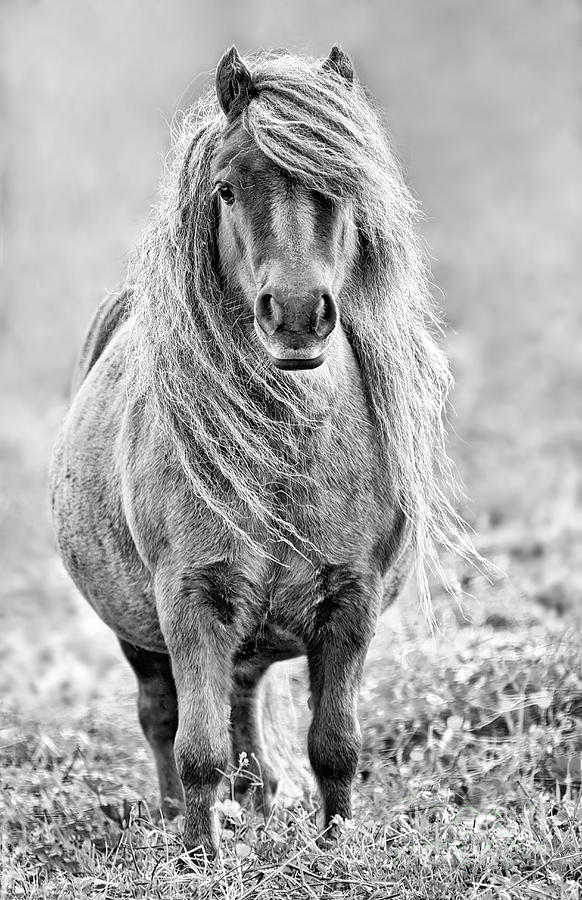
(234, 421)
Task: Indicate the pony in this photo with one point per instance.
(254, 458)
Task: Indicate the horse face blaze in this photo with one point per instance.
(288, 249)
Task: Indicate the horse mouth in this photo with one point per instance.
(309, 354)
(296, 363)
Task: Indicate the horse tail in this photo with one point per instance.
(284, 719)
(111, 312)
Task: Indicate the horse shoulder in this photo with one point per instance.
(169, 524)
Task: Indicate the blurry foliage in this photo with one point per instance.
(472, 766)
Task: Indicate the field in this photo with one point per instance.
(468, 787)
(470, 779)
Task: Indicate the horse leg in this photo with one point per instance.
(197, 615)
(343, 629)
(158, 715)
(247, 737)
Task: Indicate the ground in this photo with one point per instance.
(470, 778)
(469, 782)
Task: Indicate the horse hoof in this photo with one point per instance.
(171, 809)
(324, 842)
(195, 860)
(328, 840)
(260, 797)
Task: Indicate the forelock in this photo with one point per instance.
(311, 124)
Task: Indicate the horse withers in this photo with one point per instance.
(247, 470)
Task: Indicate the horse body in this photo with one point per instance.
(247, 468)
(123, 510)
(129, 532)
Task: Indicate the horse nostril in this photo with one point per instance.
(267, 312)
(264, 313)
(325, 316)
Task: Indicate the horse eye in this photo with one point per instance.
(226, 194)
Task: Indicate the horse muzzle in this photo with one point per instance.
(296, 331)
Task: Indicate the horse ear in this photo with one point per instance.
(234, 84)
(340, 63)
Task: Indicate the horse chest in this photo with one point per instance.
(298, 593)
(344, 506)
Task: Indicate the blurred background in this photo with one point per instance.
(483, 103)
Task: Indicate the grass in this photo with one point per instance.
(469, 784)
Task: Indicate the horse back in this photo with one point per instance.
(111, 313)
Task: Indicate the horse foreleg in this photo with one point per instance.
(201, 644)
(336, 655)
(247, 737)
(158, 715)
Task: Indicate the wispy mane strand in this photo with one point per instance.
(202, 377)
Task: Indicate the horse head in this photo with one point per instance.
(287, 248)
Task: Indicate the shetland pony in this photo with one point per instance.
(254, 456)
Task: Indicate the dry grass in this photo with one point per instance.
(470, 778)
(469, 785)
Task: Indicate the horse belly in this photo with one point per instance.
(92, 535)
